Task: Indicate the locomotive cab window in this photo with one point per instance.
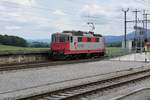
(71, 39)
(53, 38)
(62, 38)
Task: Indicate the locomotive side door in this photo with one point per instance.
(74, 43)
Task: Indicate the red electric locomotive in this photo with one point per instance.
(70, 44)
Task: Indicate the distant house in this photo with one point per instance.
(129, 45)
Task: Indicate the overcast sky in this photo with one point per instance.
(39, 18)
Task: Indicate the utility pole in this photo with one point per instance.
(144, 25)
(140, 32)
(145, 15)
(136, 23)
(125, 26)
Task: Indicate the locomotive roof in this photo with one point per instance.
(81, 33)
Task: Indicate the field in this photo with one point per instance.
(115, 51)
(4, 49)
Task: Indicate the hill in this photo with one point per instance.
(13, 41)
(130, 36)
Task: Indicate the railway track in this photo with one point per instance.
(72, 93)
(9, 67)
(140, 94)
(48, 63)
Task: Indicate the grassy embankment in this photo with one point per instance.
(115, 51)
(4, 49)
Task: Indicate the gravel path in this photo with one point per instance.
(24, 79)
(134, 57)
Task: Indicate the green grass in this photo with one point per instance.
(4, 49)
(116, 51)
(112, 51)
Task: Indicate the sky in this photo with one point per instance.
(38, 19)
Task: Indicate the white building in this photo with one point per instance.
(129, 45)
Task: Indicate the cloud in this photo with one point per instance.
(17, 10)
(59, 12)
(99, 14)
(28, 17)
(94, 10)
(12, 27)
(22, 2)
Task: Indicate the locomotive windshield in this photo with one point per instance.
(60, 38)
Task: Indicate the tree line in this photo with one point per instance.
(13, 41)
(114, 44)
(38, 44)
(21, 42)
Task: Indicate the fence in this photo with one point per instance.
(125, 55)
